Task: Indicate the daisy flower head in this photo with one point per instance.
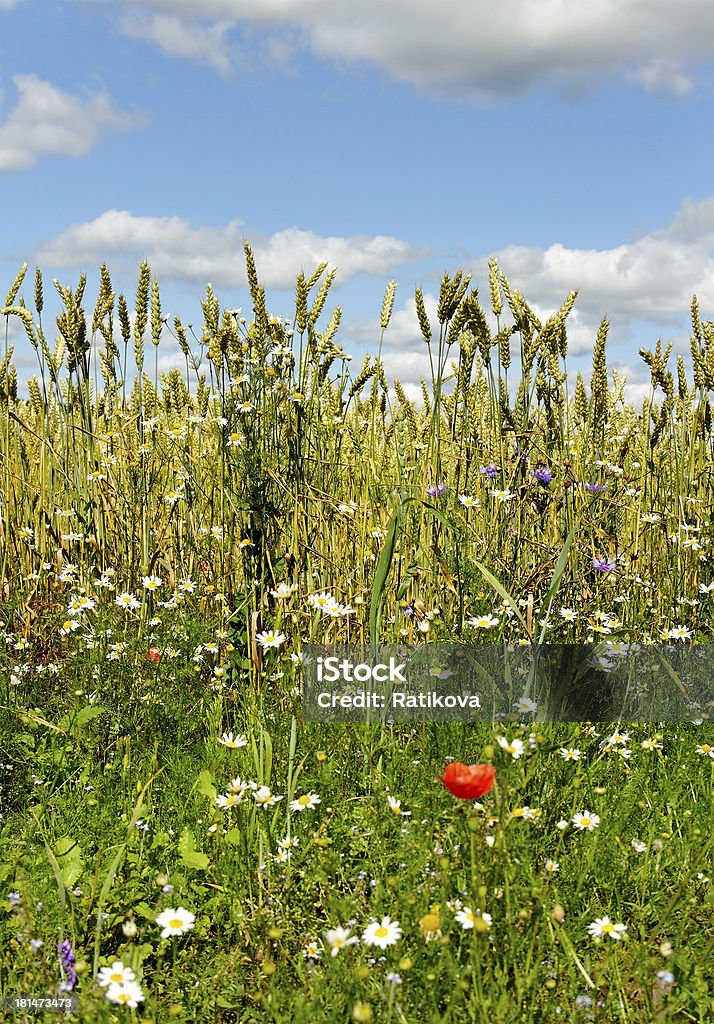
(586, 821)
(706, 750)
(569, 754)
(128, 993)
(395, 806)
(651, 744)
(306, 802)
(468, 501)
(320, 602)
(512, 747)
(339, 938)
(229, 740)
(679, 633)
(152, 582)
(269, 639)
(117, 974)
(232, 799)
(603, 926)
(382, 933)
(175, 921)
(483, 622)
(264, 798)
(478, 921)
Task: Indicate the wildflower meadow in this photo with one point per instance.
(176, 841)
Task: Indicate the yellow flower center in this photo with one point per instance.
(607, 928)
(381, 932)
(175, 922)
(304, 800)
(430, 923)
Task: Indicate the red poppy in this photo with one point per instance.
(154, 654)
(468, 781)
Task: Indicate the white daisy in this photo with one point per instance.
(339, 938)
(382, 933)
(117, 974)
(175, 921)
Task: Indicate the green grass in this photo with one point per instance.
(259, 478)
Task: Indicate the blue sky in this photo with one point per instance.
(391, 139)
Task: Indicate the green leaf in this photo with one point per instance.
(70, 860)
(490, 578)
(205, 786)
(557, 575)
(87, 714)
(190, 856)
(232, 837)
(145, 911)
(380, 576)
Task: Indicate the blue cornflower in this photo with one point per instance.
(543, 475)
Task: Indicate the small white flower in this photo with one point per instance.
(513, 747)
(264, 798)
(117, 974)
(229, 740)
(269, 639)
(603, 926)
(339, 938)
(382, 934)
(468, 919)
(175, 922)
(586, 821)
(129, 993)
(306, 802)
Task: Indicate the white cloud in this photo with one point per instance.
(651, 278)
(664, 76)
(644, 284)
(485, 51)
(49, 122)
(177, 250)
(181, 38)
(403, 330)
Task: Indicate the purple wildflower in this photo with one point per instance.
(604, 564)
(436, 490)
(543, 475)
(490, 471)
(595, 488)
(67, 962)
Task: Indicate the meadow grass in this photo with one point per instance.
(171, 542)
